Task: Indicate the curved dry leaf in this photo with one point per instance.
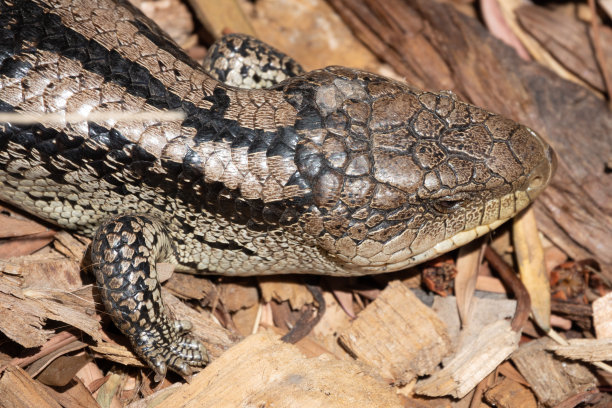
(470, 257)
(530, 256)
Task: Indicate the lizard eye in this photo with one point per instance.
(449, 204)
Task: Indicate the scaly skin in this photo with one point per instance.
(336, 171)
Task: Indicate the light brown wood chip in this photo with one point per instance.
(398, 335)
(262, 371)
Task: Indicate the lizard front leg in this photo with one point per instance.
(125, 251)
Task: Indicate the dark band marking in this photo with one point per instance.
(184, 181)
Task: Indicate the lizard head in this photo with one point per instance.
(399, 176)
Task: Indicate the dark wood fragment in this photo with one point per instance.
(581, 315)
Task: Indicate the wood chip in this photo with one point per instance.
(283, 23)
(399, 345)
(47, 271)
(117, 353)
(19, 390)
(485, 343)
(219, 17)
(334, 321)
(602, 316)
(552, 379)
(11, 227)
(585, 349)
(490, 284)
(582, 315)
(25, 245)
(21, 319)
(73, 395)
(189, 286)
(285, 288)
(75, 308)
(472, 364)
(486, 310)
(172, 16)
(238, 295)
(54, 353)
(67, 244)
(62, 370)
(244, 319)
(276, 374)
(510, 394)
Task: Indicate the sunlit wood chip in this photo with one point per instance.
(397, 335)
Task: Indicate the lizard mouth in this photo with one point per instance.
(403, 255)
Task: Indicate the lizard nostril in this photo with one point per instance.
(535, 182)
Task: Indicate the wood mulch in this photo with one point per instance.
(460, 331)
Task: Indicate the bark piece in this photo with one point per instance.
(397, 335)
(262, 371)
(23, 312)
(117, 353)
(11, 227)
(566, 38)
(192, 287)
(52, 351)
(75, 308)
(18, 389)
(25, 245)
(239, 295)
(245, 319)
(75, 395)
(582, 315)
(285, 288)
(552, 379)
(510, 394)
(45, 272)
(74, 247)
(61, 371)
